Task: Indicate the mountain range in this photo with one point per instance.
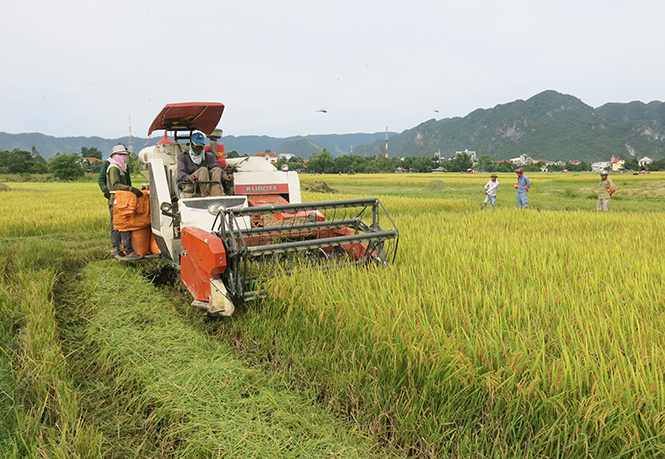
(549, 125)
(301, 146)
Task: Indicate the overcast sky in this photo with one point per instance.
(82, 68)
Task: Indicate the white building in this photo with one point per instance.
(643, 162)
(521, 160)
(600, 165)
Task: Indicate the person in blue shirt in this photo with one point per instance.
(523, 184)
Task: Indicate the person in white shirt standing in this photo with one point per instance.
(490, 192)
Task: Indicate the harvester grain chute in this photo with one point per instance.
(224, 246)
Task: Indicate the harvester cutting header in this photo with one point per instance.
(225, 245)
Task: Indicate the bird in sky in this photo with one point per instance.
(323, 110)
(435, 111)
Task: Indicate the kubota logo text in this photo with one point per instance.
(262, 189)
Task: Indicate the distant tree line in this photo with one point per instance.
(63, 166)
(72, 166)
(325, 163)
(22, 162)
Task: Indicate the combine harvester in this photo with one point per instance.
(224, 246)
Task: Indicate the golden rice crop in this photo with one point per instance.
(528, 328)
(31, 209)
(497, 334)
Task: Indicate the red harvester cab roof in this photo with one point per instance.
(188, 116)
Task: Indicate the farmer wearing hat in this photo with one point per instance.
(607, 189)
(117, 179)
(197, 166)
(523, 184)
(490, 192)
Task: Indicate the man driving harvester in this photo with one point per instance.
(200, 170)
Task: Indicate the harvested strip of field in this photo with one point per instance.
(156, 387)
(41, 405)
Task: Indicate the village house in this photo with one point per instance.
(521, 160)
(600, 165)
(643, 162)
(616, 164)
(89, 164)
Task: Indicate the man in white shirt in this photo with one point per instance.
(490, 192)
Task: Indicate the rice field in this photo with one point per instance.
(499, 333)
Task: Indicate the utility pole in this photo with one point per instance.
(130, 144)
(386, 141)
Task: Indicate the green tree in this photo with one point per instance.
(39, 164)
(582, 166)
(89, 165)
(133, 163)
(535, 167)
(65, 167)
(505, 167)
(296, 164)
(460, 163)
(485, 163)
(657, 165)
(384, 164)
(321, 163)
(15, 162)
(423, 165)
(232, 154)
(343, 163)
(632, 164)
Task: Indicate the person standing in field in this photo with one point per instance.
(117, 178)
(607, 189)
(490, 192)
(101, 181)
(523, 184)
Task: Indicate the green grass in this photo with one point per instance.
(43, 416)
(157, 387)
